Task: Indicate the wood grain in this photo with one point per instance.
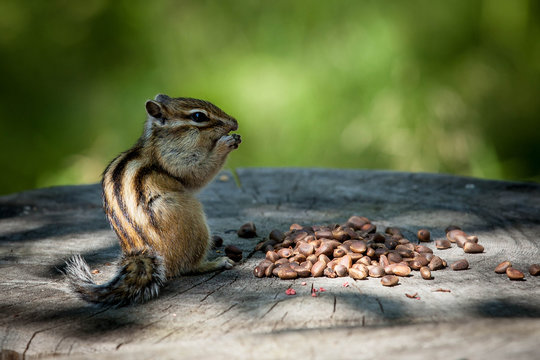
(233, 314)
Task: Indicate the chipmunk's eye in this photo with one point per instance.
(199, 117)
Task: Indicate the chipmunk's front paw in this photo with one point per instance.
(231, 142)
(226, 263)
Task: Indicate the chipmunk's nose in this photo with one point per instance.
(234, 125)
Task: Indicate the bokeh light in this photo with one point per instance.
(450, 87)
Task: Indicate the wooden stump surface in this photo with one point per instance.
(232, 314)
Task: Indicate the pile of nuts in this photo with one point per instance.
(357, 250)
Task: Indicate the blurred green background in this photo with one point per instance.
(436, 86)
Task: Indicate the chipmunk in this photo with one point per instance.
(149, 199)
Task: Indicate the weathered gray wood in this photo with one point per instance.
(234, 314)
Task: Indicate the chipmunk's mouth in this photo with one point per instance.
(229, 128)
(231, 131)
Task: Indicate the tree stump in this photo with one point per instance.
(232, 314)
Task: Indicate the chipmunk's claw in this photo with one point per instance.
(232, 141)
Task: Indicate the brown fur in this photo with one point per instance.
(149, 190)
(151, 199)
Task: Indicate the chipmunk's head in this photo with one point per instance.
(186, 117)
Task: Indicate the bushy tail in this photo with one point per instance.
(139, 279)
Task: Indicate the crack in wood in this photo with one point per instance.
(166, 308)
(218, 288)
(220, 314)
(97, 313)
(144, 327)
(279, 321)
(59, 342)
(380, 304)
(250, 255)
(71, 348)
(153, 322)
(32, 339)
(166, 336)
(226, 310)
(197, 284)
(271, 308)
(353, 283)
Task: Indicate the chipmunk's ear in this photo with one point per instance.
(153, 108)
(162, 98)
